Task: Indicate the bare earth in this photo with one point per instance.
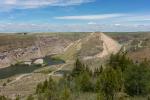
(110, 46)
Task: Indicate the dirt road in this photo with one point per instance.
(19, 78)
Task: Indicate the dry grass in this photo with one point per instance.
(23, 87)
(11, 42)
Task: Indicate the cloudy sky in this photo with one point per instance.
(74, 15)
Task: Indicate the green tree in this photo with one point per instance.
(17, 98)
(137, 79)
(4, 84)
(3, 98)
(66, 94)
(45, 86)
(98, 71)
(52, 85)
(109, 83)
(99, 96)
(78, 68)
(39, 88)
(30, 97)
(85, 82)
(50, 95)
(47, 90)
(119, 61)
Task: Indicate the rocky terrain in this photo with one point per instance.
(106, 46)
(91, 47)
(136, 44)
(40, 46)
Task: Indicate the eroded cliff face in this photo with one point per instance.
(99, 45)
(40, 47)
(94, 45)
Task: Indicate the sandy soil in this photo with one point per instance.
(110, 46)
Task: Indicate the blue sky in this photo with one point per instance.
(74, 15)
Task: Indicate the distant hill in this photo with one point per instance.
(19, 48)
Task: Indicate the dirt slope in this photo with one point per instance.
(109, 46)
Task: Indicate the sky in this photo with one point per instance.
(74, 15)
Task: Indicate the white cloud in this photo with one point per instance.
(117, 24)
(90, 17)
(100, 22)
(14, 27)
(111, 18)
(133, 18)
(26, 4)
(92, 23)
(10, 2)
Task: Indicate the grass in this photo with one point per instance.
(138, 98)
(44, 70)
(11, 42)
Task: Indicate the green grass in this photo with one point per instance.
(45, 71)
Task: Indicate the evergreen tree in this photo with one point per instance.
(30, 97)
(45, 85)
(119, 61)
(50, 95)
(39, 88)
(66, 94)
(52, 85)
(3, 98)
(98, 71)
(85, 82)
(17, 98)
(78, 68)
(137, 79)
(108, 83)
(100, 96)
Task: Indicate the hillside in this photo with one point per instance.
(20, 48)
(137, 44)
(94, 45)
(59, 52)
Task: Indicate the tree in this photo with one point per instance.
(100, 96)
(119, 61)
(50, 95)
(30, 97)
(85, 82)
(3, 98)
(98, 71)
(47, 90)
(137, 79)
(52, 85)
(17, 98)
(78, 68)
(4, 84)
(39, 88)
(66, 94)
(109, 83)
(45, 85)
